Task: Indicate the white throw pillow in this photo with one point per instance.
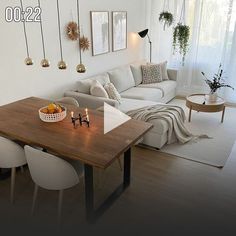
(122, 78)
(112, 92)
(164, 71)
(97, 89)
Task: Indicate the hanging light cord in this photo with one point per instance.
(41, 27)
(182, 16)
(59, 27)
(78, 13)
(24, 26)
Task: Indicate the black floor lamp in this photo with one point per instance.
(143, 34)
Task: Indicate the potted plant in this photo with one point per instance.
(216, 83)
(166, 18)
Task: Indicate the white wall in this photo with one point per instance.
(18, 81)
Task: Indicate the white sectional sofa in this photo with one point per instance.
(128, 81)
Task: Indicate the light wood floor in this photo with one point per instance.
(168, 196)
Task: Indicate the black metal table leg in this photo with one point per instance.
(93, 214)
(127, 168)
(89, 192)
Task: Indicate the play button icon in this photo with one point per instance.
(113, 118)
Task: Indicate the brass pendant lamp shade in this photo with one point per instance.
(61, 64)
(45, 62)
(28, 60)
(80, 68)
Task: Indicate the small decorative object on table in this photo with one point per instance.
(81, 118)
(52, 113)
(215, 84)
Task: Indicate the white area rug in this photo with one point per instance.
(214, 152)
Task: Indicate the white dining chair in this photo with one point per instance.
(67, 101)
(51, 173)
(12, 155)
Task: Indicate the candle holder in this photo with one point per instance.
(82, 119)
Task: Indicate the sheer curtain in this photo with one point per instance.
(212, 41)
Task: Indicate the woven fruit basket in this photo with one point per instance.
(53, 117)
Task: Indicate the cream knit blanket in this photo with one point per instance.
(173, 115)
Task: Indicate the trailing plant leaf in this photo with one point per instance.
(180, 39)
(166, 18)
(216, 83)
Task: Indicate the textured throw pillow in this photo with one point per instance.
(97, 89)
(151, 73)
(112, 92)
(164, 71)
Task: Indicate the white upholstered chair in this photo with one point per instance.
(51, 173)
(12, 155)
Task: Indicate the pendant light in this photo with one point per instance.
(80, 68)
(44, 62)
(28, 60)
(61, 64)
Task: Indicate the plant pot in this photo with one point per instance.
(212, 97)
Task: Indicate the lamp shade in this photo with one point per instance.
(143, 33)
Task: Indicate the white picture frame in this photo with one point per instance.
(119, 30)
(100, 32)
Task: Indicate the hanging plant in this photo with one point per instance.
(84, 43)
(181, 35)
(166, 18)
(180, 39)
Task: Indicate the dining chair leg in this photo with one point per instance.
(34, 198)
(60, 206)
(13, 177)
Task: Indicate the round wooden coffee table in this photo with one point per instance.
(199, 102)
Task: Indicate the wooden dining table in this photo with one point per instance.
(19, 121)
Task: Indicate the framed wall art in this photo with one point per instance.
(119, 30)
(100, 32)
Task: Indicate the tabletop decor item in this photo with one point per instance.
(166, 17)
(28, 60)
(81, 118)
(181, 35)
(100, 32)
(119, 30)
(45, 62)
(216, 83)
(52, 113)
(61, 64)
(72, 31)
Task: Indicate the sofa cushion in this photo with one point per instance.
(97, 89)
(165, 86)
(164, 73)
(151, 73)
(122, 78)
(112, 91)
(151, 94)
(83, 85)
(137, 72)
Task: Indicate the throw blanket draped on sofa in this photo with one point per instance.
(173, 115)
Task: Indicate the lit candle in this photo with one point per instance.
(87, 115)
(72, 114)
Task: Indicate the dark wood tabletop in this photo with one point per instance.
(20, 121)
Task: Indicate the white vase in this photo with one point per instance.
(212, 97)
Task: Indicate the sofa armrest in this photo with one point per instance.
(92, 102)
(173, 74)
